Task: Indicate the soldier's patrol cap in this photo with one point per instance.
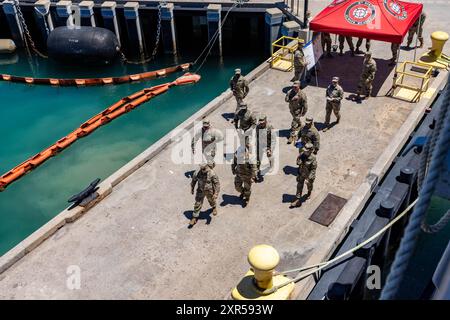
(368, 54)
(309, 146)
(262, 117)
(309, 119)
(206, 122)
(296, 83)
(335, 79)
(237, 71)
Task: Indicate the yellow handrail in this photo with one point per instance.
(282, 52)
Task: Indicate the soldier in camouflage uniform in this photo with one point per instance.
(417, 27)
(309, 134)
(244, 119)
(394, 50)
(209, 137)
(367, 76)
(264, 142)
(208, 186)
(307, 166)
(334, 95)
(349, 42)
(239, 87)
(326, 44)
(359, 43)
(299, 64)
(244, 168)
(298, 106)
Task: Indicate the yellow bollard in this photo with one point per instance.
(438, 40)
(263, 260)
(435, 57)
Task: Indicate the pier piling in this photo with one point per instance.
(134, 31)
(14, 23)
(213, 16)
(108, 12)
(87, 17)
(43, 18)
(274, 19)
(168, 29)
(64, 14)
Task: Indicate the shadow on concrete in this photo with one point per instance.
(405, 48)
(290, 170)
(288, 198)
(230, 199)
(354, 97)
(348, 69)
(319, 125)
(284, 133)
(228, 116)
(189, 174)
(204, 215)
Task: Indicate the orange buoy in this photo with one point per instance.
(117, 109)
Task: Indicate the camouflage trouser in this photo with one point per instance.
(298, 73)
(326, 45)
(360, 41)
(243, 184)
(335, 107)
(296, 125)
(394, 50)
(209, 155)
(239, 101)
(199, 197)
(300, 183)
(349, 42)
(412, 32)
(365, 87)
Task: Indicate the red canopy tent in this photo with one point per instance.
(384, 20)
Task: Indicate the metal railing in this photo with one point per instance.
(425, 78)
(282, 52)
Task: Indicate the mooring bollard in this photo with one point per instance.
(263, 260)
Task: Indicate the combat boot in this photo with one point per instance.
(327, 126)
(296, 203)
(341, 53)
(290, 140)
(245, 201)
(214, 211)
(193, 222)
(420, 42)
(338, 118)
(308, 195)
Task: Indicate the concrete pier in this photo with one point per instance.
(87, 17)
(214, 20)
(290, 29)
(12, 18)
(43, 18)
(134, 32)
(135, 243)
(274, 19)
(168, 28)
(64, 15)
(108, 12)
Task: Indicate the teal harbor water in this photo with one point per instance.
(35, 116)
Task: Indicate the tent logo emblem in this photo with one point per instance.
(360, 13)
(396, 9)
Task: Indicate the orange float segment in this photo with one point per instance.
(122, 106)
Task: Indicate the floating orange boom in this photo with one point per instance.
(96, 81)
(122, 106)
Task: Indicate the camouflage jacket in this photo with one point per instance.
(299, 59)
(244, 170)
(209, 138)
(310, 135)
(307, 166)
(208, 182)
(301, 104)
(334, 94)
(369, 70)
(264, 134)
(239, 87)
(420, 21)
(245, 120)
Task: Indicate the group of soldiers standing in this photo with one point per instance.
(246, 164)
